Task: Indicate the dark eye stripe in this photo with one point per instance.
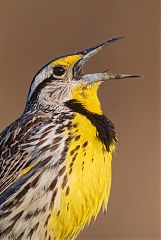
(37, 91)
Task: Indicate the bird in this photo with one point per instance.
(55, 159)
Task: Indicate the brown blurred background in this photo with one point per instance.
(33, 32)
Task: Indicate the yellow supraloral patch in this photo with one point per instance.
(67, 61)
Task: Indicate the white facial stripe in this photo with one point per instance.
(41, 76)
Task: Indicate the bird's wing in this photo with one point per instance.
(22, 145)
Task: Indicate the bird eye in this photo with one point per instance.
(58, 71)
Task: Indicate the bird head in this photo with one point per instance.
(62, 80)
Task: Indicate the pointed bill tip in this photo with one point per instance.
(113, 40)
(96, 77)
(109, 42)
(93, 50)
(120, 76)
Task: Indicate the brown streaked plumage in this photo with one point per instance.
(55, 160)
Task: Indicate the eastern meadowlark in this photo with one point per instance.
(55, 160)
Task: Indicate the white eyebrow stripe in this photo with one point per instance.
(41, 76)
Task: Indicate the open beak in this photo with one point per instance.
(95, 77)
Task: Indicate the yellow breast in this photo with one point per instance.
(88, 170)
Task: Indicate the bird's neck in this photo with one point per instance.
(87, 97)
(84, 95)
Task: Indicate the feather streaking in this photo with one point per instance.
(55, 160)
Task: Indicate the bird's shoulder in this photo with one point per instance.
(26, 140)
(20, 131)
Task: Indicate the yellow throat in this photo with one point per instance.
(87, 96)
(88, 171)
